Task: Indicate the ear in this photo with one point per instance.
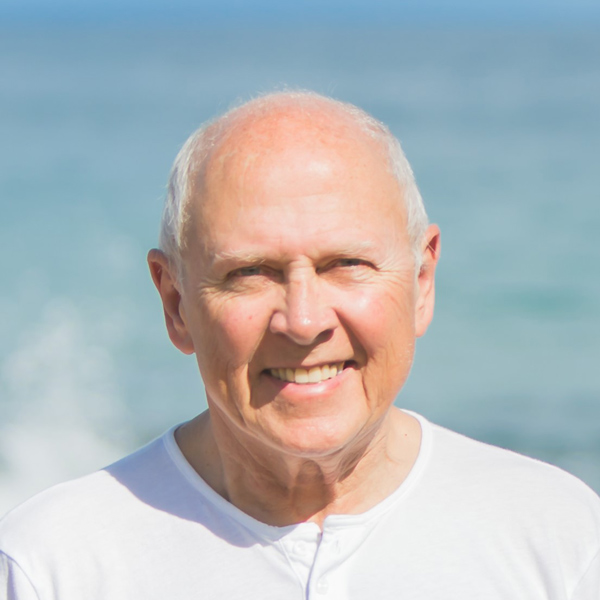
(165, 280)
(430, 252)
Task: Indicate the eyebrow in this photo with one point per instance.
(237, 256)
(243, 256)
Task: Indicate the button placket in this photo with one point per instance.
(301, 547)
(325, 561)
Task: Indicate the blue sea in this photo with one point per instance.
(501, 125)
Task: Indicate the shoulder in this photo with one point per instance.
(66, 510)
(493, 462)
(516, 487)
(497, 505)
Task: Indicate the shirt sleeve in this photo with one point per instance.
(14, 584)
(588, 587)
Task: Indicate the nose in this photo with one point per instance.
(305, 316)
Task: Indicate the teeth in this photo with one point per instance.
(312, 375)
(301, 376)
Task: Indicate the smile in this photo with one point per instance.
(312, 375)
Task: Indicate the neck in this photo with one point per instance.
(281, 489)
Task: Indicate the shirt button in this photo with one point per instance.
(322, 586)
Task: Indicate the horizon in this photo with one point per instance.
(314, 12)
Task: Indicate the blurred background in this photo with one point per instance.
(497, 105)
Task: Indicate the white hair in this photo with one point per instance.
(192, 158)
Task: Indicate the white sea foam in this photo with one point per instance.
(60, 401)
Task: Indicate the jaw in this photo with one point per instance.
(292, 448)
(328, 422)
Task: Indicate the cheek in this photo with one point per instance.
(235, 328)
(383, 330)
(228, 335)
(377, 317)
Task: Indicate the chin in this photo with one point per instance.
(319, 440)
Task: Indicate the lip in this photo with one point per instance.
(308, 374)
(347, 362)
(306, 391)
(286, 372)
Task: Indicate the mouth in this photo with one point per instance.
(310, 375)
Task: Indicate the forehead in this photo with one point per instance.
(280, 136)
(316, 164)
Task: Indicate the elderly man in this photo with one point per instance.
(297, 264)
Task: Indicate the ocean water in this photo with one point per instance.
(500, 124)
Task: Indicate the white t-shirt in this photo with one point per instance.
(471, 521)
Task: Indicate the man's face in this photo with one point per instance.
(299, 294)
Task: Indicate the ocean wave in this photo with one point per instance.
(64, 415)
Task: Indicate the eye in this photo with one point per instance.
(345, 267)
(349, 262)
(345, 263)
(247, 271)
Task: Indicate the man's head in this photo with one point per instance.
(300, 296)
(189, 166)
